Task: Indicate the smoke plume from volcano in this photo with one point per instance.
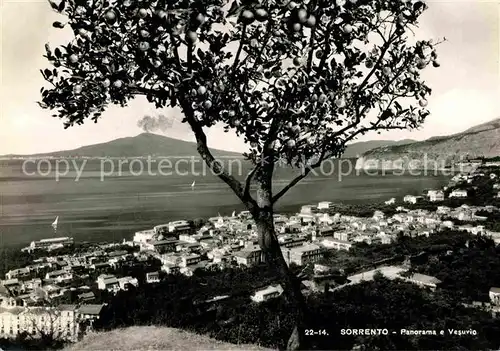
(151, 124)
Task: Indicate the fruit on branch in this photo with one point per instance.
(73, 58)
(340, 102)
(254, 43)
(110, 16)
(144, 33)
(127, 3)
(297, 27)
(322, 98)
(348, 29)
(161, 14)
(369, 64)
(142, 13)
(191, 37)
(106, 83)
(311, 21)
(421, 64)
(144, 46)
(237, 123)
(200, 19)
(436, 64)
(292, 5)
(247, 17)
(423, 103)
(290, 143)
(261, 15)
(77, 89)
(207, 104)
(118, 84)
(302, 16)
(157, 63)
(297, 61)
(387, 70)
(340, 2)
(202, 90)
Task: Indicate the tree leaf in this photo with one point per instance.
(61, 6)
(58, 24)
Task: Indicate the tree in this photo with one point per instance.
(298, 80)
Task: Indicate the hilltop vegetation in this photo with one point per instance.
(479, 141)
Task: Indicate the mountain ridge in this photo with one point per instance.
(482, 140)
(150, 144)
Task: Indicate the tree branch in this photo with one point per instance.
(304, 174)
(206, 155)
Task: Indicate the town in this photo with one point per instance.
(56, 292)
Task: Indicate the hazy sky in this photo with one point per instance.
(466, 89)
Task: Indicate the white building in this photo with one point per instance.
(435, 195)
(61, 322)
(108, 282)
(495, 296)
(411, 199)
(458, 193)
(324, 205)
(144, 236)
(391, 201)
(152, 277)
(51, 243)
(336, 244)
(268, 293)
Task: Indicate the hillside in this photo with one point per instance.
(148, 144)
(153, 338)
(356, 149)
(145, 144)
(480, 141)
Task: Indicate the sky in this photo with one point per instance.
(466, 88)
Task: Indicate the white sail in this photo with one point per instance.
(192, 185)
(54, 224)
(233, 214)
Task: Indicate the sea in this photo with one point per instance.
(96, 201)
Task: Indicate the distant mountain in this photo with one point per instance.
(145, 144)
(479, 141)
(359, 148)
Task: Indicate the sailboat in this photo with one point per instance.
(192, 185)
(54, 224)
(233, 214)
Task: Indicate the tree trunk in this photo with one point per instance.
(274, 257)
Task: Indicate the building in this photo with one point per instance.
(324, 205)
(160, 246)
(152, 277)
(459, 193)
(291, 242)
(303, 255)
(108, 282)
(435, 195)
(176, 227)
(423, 280)
(50, 243)
(268, 293)
(411, 199)
(125, 282)
(17, 273)
(495, 296)
(144, 236)
(337, 244)
(189, 260)
(64, 322)
(249, 256)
